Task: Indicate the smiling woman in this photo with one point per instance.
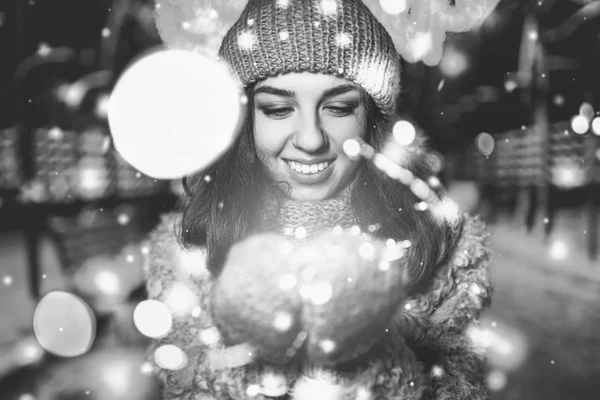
(301, 122)
(287, 172)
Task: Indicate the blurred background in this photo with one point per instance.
(510, 112)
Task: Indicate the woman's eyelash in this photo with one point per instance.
(341, 111)
(277, 112)
(285, 111)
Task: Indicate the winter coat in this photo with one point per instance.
(434, 326)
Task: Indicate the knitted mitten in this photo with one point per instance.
(325, 301)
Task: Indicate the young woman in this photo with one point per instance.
(314, 79)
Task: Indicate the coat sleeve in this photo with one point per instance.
(180, 280)
(439, 321)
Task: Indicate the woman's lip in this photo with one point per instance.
(310, 179)
(330, 160)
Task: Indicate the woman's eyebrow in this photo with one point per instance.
(337, 90)
(331, 92)
(274, 91)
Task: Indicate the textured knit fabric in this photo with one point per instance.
(281, 214)
(429, 331)
(334, 37)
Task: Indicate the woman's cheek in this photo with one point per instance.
(341, 129)
(271, 135)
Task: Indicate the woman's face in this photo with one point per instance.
(301, 122)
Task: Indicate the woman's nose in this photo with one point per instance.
(309, 136)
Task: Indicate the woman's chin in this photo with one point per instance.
(307, 195)
(311, 193)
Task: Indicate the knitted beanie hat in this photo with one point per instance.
(335, 37)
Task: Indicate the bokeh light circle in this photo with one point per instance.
(558, 100)
(496, 380)
(64, 324)
(28, 351)
(485, 143)
(596, 126)
(453, 63)
(580, 124)
(7, 280)
(586, 110)
(393, 7)
(352, 148)
(153, 319)
(170, 357)
(173, 112)
(404, 132)
(321, 293)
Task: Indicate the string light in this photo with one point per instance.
(421, 206)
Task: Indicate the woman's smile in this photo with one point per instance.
(310, 173)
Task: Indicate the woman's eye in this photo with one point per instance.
(340, 111)
(277, 112)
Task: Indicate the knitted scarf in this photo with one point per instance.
(282, 214)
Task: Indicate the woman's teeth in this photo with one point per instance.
(308, 169)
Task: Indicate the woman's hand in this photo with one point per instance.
(329, 300)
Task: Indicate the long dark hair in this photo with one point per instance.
(220, 203)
